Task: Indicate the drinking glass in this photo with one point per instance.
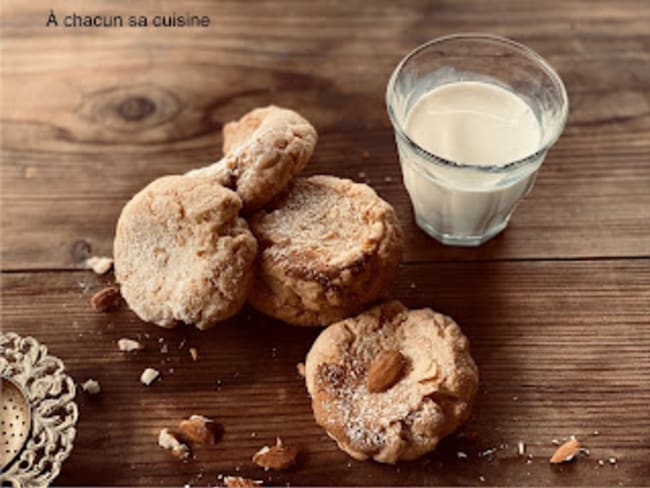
(464, 204)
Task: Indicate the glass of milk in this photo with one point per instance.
(474, 116)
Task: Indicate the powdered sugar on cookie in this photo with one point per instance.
(428, 402)
(328, 246)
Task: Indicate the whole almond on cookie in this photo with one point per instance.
(200, 429)
(277, 457)
(385, 370)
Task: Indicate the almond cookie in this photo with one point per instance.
(182, 253)
(391, 382)
(263, 151)
(328, 246)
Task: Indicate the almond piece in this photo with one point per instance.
(385, 370)
(169, 440)
(300, 367)
(566, 452)
(148, 376)
(99, 265)
(91, 387)
(239, 482)
(200, 429)
(194, 353)
(129, 345)
(105, 299)
(277, 457)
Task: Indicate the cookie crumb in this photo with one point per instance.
(612, 460)
(194, 353)
(99, 264)
(601, 462)
(461, 455)
(164, 349)
(361, 174)
(300, 367)
(595, 433)
(487, 452)
(521, 448)
(482, 479)
(129, 345)
(388, 179)
(149, 375)
(91, 387)
(170, 441)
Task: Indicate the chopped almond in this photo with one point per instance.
(194, 353)
(200, 429)
(106, 299)
(239, 482)
(566, 452)
(277, 457)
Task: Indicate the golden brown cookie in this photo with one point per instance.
(182, 253)
(263, 151)
(328, 247)
(391, 382)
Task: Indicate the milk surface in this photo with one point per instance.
(477, 124)
(474, 123)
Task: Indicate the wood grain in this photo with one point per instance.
(134, 104)
(557, 307)
(562, 349)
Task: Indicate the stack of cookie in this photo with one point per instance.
(310, 251)
(319, 248)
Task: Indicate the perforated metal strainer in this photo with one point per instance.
(37, 413)
(15, 421)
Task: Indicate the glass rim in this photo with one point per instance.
(490, 38)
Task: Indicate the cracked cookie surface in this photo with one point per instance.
(430, 399)
(328, 247)
(182, 253)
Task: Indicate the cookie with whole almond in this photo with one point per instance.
(389, 383)
(263, 151)
(182, 253)
(328, 247)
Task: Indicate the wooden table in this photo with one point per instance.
(557, 307)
